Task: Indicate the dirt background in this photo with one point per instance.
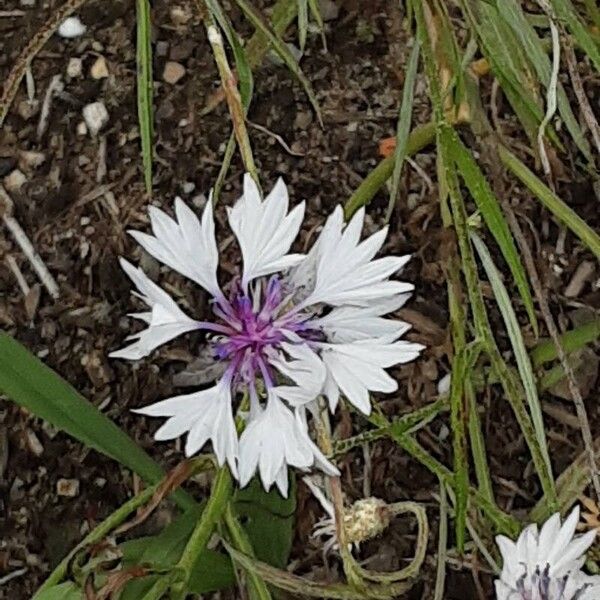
(78, 202)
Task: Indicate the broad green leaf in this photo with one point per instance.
(518, 344)
(64, 591)
(488, 205)
(36, 387)
(213, 570)
(268, 519)
(144, 87)
(281, 49)
(551, 201)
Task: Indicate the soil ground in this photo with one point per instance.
(77, 205)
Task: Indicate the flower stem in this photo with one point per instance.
(216, 505)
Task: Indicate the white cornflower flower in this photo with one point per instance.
(546, 564)
(303, 326)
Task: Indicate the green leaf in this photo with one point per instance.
(302, 22)
(268, 519)
(33, 385)
(551, 201)
(403, 128)
(144, 87)
(282, 50)
(64, 591)
(212, 571)
(518, 345)
(488, 205)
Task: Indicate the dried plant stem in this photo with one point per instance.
(234, 100)
(6, 208)
(37, 42)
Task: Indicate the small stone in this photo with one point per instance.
(68, 488)
(28, 109)
(33, 443)
(71, 28)
(74, 68)
(329, 10)
(96, 117)
(173, 72)
(180, 15)
(82, 129)
(162, 48)
(27, 2)
(29, 159)
(99, 69)
(188, 187)
(14, 181)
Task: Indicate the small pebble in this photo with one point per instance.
(74, 68)
(162, 48)
(33, 443)
(173, 72)
(96, 117)
(14, 181)
(180, 15)
(99, 69)
(329, 10)
(27, 2)
(68, 488)
(71, 28)
(188, 187)
(29, 159)
(28, 109)
(82, 129)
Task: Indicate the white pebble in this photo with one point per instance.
(81, 129)
(71, 28)
(74, 68)
(96, 117)
(443, 386)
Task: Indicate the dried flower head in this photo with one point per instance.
(295, 326)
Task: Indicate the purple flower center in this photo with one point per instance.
(255, 323)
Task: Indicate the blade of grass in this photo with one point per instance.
(144, 87)
(36, 387)
(302, 22)
(518, 345)
(282, 50)
(491, 211)
(551, 201)
(403, 128)
(315, 11)
(566, 12)
(440, 575)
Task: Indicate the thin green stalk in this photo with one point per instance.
(403, 128)
(419, 138)
(440, 576)
(96, 535)
(144, 87)
(257, 588)
(215, 506)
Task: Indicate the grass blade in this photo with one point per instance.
(516, 339)
(551, 201)
(144, 87)
(36, 387)
(403, 129)
(302, 22)
(315, 11)
(282, 50)
(488, 205)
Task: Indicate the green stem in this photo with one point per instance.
(419, 138)
(97, 534)
(215, 506)
(257, 588)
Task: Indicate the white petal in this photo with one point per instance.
(205, 415)
(264, 230)
(186, 245)
(166, 321)
(306, 370)
(345, 272)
